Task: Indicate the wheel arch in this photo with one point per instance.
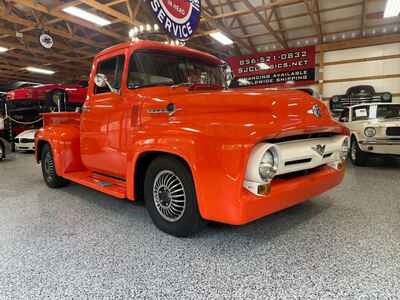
(142, 163)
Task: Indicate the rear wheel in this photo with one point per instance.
(49, 169)
(357, 156)
(170, 197)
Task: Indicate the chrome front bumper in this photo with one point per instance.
(380, 142)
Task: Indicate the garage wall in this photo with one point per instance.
(378, 66)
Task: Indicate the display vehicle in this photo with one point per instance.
(357, 95)
(55, 97)
(374, 129)
(25, 141)
(159, 124)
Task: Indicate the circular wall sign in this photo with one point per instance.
(179, 18)
(46, 41)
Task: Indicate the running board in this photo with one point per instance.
(102, 183)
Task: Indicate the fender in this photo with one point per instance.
(65, 144)
(216, 169)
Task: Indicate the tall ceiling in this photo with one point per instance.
(253, 25)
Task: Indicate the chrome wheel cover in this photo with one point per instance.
(169, 196)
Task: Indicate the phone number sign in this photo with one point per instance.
(292, 67)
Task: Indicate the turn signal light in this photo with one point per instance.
(264, 189)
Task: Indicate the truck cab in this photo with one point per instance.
(159, 125)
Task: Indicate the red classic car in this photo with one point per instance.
(51, 96)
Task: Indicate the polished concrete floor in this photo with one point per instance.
(77, 243)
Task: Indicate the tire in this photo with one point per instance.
(173, 205)
(2, 151)
(49, 169)
(357, 156)
(53, 98)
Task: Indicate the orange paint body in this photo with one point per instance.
(214, 132)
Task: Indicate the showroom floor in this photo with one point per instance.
(78, 243)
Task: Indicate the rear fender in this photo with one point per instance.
(64, 141)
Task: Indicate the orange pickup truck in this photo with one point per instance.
(159, 124)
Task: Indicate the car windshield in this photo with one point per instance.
(371, 112)
(152, 68)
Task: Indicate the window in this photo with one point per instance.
(112, 68)
(150, 68)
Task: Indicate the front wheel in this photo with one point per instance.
(49, 169)
(2, 151)
(170, 197)
(357, 156)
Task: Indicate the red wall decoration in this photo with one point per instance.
(288, 67)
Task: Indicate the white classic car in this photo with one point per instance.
(25, 141)
(374, 128)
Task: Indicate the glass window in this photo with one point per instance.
(388, 111)
(112, 68)
(151, 68)
(360, 113)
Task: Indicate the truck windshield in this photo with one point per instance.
(388, 111)
(159, 68)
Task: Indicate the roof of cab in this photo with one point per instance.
(145, 44)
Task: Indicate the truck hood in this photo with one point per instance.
(255, 113)
(384, 123)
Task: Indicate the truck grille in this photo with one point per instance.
(393, 131)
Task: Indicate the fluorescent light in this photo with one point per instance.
(2, 49)
(392, 8)
(83, 14)
(222, 38)
(40, 71)
(263, 66)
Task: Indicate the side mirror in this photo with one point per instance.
(101, 81)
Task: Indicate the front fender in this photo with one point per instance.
(64, 141)
(217, 167)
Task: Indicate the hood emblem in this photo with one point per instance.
(320, 149)
(316, 110)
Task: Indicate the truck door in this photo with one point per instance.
(103, 126)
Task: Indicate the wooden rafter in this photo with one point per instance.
(275, 12)
(309, 6)
(260, 18)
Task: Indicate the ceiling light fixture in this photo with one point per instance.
(40, 70)
(392, 8)
(3, 49)
(85, 15)
(222, 38)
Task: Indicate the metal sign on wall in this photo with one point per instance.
(289, 67)
(178, 18)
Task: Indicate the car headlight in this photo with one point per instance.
(269, 164)
(387, 96)
(345, 149)
(370, 132)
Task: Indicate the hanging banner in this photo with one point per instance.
(288, 67)
(178, 18)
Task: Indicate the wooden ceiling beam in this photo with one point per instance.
(63, 16)
(267, 26)
(310, 10)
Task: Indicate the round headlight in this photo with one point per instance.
(268, 164)
(370, 132)
(345, 149)
(387, 96)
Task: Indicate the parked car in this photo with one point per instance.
(159, 124)
(357, 95)
(50, 96)
(25, 141)
(374, 128)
